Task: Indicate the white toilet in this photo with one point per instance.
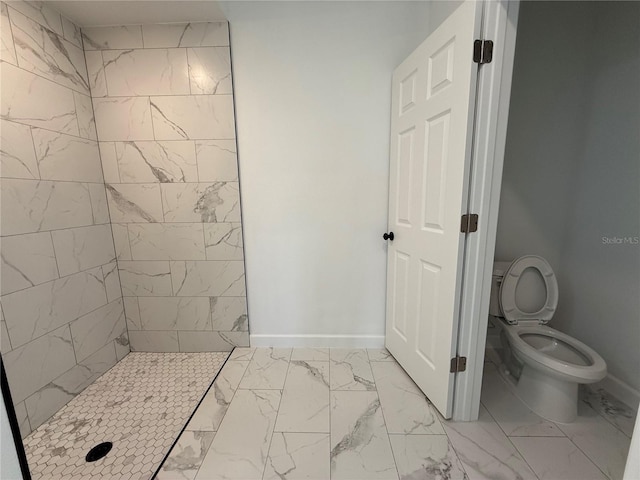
(544, 366)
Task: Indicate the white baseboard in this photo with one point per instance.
(318, 341)
(623, 392)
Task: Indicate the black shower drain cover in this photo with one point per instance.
(99, 451)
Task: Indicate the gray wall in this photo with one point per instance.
(572, 168)
(63, 323)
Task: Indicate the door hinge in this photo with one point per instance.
(469, 223)
(482, 51)
(458, 364)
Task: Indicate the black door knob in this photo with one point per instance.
(388, 236)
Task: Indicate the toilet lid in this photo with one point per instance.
(510, 284)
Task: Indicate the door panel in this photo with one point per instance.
(433, 96)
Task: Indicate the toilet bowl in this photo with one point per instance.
(543, 365)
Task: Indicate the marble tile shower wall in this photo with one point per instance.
(162, 96)
(62, 315)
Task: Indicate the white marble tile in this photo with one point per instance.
(95, 72)
(194, 117)
(406, 410)
(86, 120)
(134, 203)
(71, 32)
(23, 419)
(201, 202)
(298, 456)
(305, 399)
(109, 162)
(426, 456)
(513, 416)
(186, 456)
(123, 118)
(217, 160)
(7, 49)
(216, 402)
(31, 206)
(174, 313)
(111, 281)
(313, 354)
(81, 248)
(613, 410)
(27, 261)
(208, 278)
(35, 364)
(140, 404)
(229, 314)
(132, 313)
(360, 447)
(5, 342)
(153, 341)
(166, 241)
(245, 434)
(267, 369)
(379, 355)
(203, 341)
(40, 13)
(49, 399)
(604, 444)
(485, 450)
(99, 206)
(94, 330)
(242, 353)
(186, 35)
(122, 345)
(210, 70)
(120, 37)
(64, 157)
(223, 241)
(35, 311)
(17, 157)
(42, 52)
(350, 370)
(121, 241)
(556, 458)
(145, 278)
(146, 72)
(50, 105)
(164, 162)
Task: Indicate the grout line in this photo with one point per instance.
(55, 82)
(59, 277)
(384, 420)
(55, 257)
(507, 437)
(275, 421)
(330, 409)
(63, 325)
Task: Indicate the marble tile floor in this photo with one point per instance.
(141, 405)
(277, 413)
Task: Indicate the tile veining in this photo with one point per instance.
(269, 409)
(140, 405)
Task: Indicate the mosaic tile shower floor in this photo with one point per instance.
(140, 405)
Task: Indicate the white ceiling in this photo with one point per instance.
(88, 13)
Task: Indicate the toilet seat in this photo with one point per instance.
(511, 312)
(592, 367)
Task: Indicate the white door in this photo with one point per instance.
(432, 108)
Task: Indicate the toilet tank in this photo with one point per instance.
(499, 269)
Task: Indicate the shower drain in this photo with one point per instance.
(99, 451)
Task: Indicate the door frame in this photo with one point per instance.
(492, 110)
